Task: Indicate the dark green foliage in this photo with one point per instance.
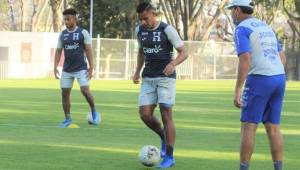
(112, 18)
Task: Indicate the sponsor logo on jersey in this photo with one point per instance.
(72, 47)
(155, 50)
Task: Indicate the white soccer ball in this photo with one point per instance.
(89, 118)
(149, 155)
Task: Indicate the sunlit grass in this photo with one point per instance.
(207, 127)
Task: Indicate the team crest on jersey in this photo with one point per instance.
(75, 36)
(156, 36)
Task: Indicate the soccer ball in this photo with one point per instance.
(89, 118)
(149, 155)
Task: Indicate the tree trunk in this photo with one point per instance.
(40, 9)
(23, 14)
(48, 24)
(185, 16)
(212, 22)
(33, 15)
(297, 5)
(55, 5)
(13, 22)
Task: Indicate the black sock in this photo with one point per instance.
(68, 116)
(244, 166)
(162, 135)
(170, 150)
(277, 165)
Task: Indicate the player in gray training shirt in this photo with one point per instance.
(156, 42)
(76, 44)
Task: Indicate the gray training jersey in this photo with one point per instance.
(256, 37)
(73, 44)
(157, 46)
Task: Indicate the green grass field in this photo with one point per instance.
(207, 128)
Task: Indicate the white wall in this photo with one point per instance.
(40, 65)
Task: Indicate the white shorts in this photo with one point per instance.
(160, 90)
(67, 79)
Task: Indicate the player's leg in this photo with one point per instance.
(147, 103)
(66, 83)
(146, 114)
(66, 93)
(254, 100)
(248, 131)
(86, 92)
(276, 144)
(169, 127)
(272, 121)
(166, 99)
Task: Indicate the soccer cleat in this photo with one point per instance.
(167, 162)
(163, 149)
(96, 118)
(65, 123)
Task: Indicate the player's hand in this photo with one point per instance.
(90, 73)
(136, 78)
(56, 73)
(169, 69)
(237, 99)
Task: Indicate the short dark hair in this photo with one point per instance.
(144, 6)
(70, 11)
(245, 9)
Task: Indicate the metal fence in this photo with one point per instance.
(116, 59)
(3, 70)
(31, 55)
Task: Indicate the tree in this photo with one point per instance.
(194, 19)
(32, 13)
(39, 7)
(292, 10)
(112, 18)
(13, 20)
(23, 8)
(4, 10)
(266, 10)
(56, 19)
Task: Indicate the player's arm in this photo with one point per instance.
(243, 48)
(283, 58)
(243, 68)
(176, 41)
(89, 56)
(88, 52)
(281, 54)
(140, 59)
(139, 66)
(57, 57)
(181, 56)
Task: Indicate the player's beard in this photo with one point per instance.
(70, 26)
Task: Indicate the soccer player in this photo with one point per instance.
(76, 43)
(261, 65)
(156, 42)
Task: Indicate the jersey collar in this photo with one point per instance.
(73, 30)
